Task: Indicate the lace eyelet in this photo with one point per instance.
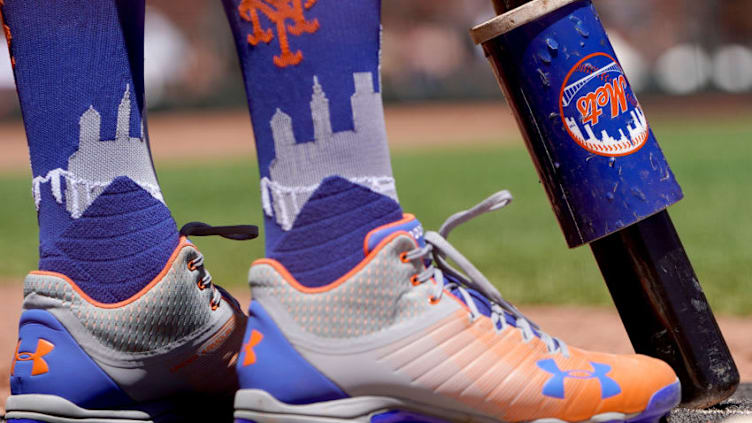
(214, 306)
(434, 300)
(403, 257)
(200, 285)
(414, 280)
(191, 267)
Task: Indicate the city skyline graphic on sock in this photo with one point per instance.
(319, 118)
(298, 167)
(97, 162)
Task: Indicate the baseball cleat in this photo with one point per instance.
(140, 360)
(406, 337)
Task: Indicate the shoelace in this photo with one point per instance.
(439, 249)
(237, 232)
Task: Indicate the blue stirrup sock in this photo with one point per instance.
(79, 75)
(311, 72)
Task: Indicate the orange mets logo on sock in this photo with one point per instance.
(38, 365)
(288, 16)
(250, 355)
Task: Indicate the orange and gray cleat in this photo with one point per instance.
(406, 337)
(147, 359)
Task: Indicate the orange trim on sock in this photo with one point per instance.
(406, 217)
(342, 279)
(182, 244)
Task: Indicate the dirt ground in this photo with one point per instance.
(604, 331)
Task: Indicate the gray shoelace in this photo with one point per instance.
(235, 232)
(205, 281)
(439, 249)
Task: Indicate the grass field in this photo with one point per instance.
(520, 248)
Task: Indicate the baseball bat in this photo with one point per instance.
(608, 181)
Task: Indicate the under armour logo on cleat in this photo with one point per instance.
(279, 12)
(250, 355)
(38, 365)
(555, 385)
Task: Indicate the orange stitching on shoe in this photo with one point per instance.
(342, 279)
(279, 12)
(184, 243)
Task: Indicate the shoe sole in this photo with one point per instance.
(256, 406)
(54, 409)
(37, 408)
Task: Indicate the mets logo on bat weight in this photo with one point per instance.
(599, 110)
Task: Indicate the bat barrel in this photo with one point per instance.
(607, 180)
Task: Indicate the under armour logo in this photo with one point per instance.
(38, 365)
(279, 12)
(250, 355)
(555, 386)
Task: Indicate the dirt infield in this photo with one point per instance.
(604, 330)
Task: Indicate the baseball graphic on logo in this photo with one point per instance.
(599, 110)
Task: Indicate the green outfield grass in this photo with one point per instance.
(520, 248)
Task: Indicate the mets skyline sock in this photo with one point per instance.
(311, 72)
(79, 75)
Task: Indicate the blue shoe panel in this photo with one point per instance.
(49, 361)
(660, 404)
(399, 416)
(268, 362)
(413, 227)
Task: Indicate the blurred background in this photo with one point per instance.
(668, 47)
(453, 139)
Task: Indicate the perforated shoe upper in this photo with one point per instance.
(170, 337)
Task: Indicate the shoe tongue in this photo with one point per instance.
(408, 224)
